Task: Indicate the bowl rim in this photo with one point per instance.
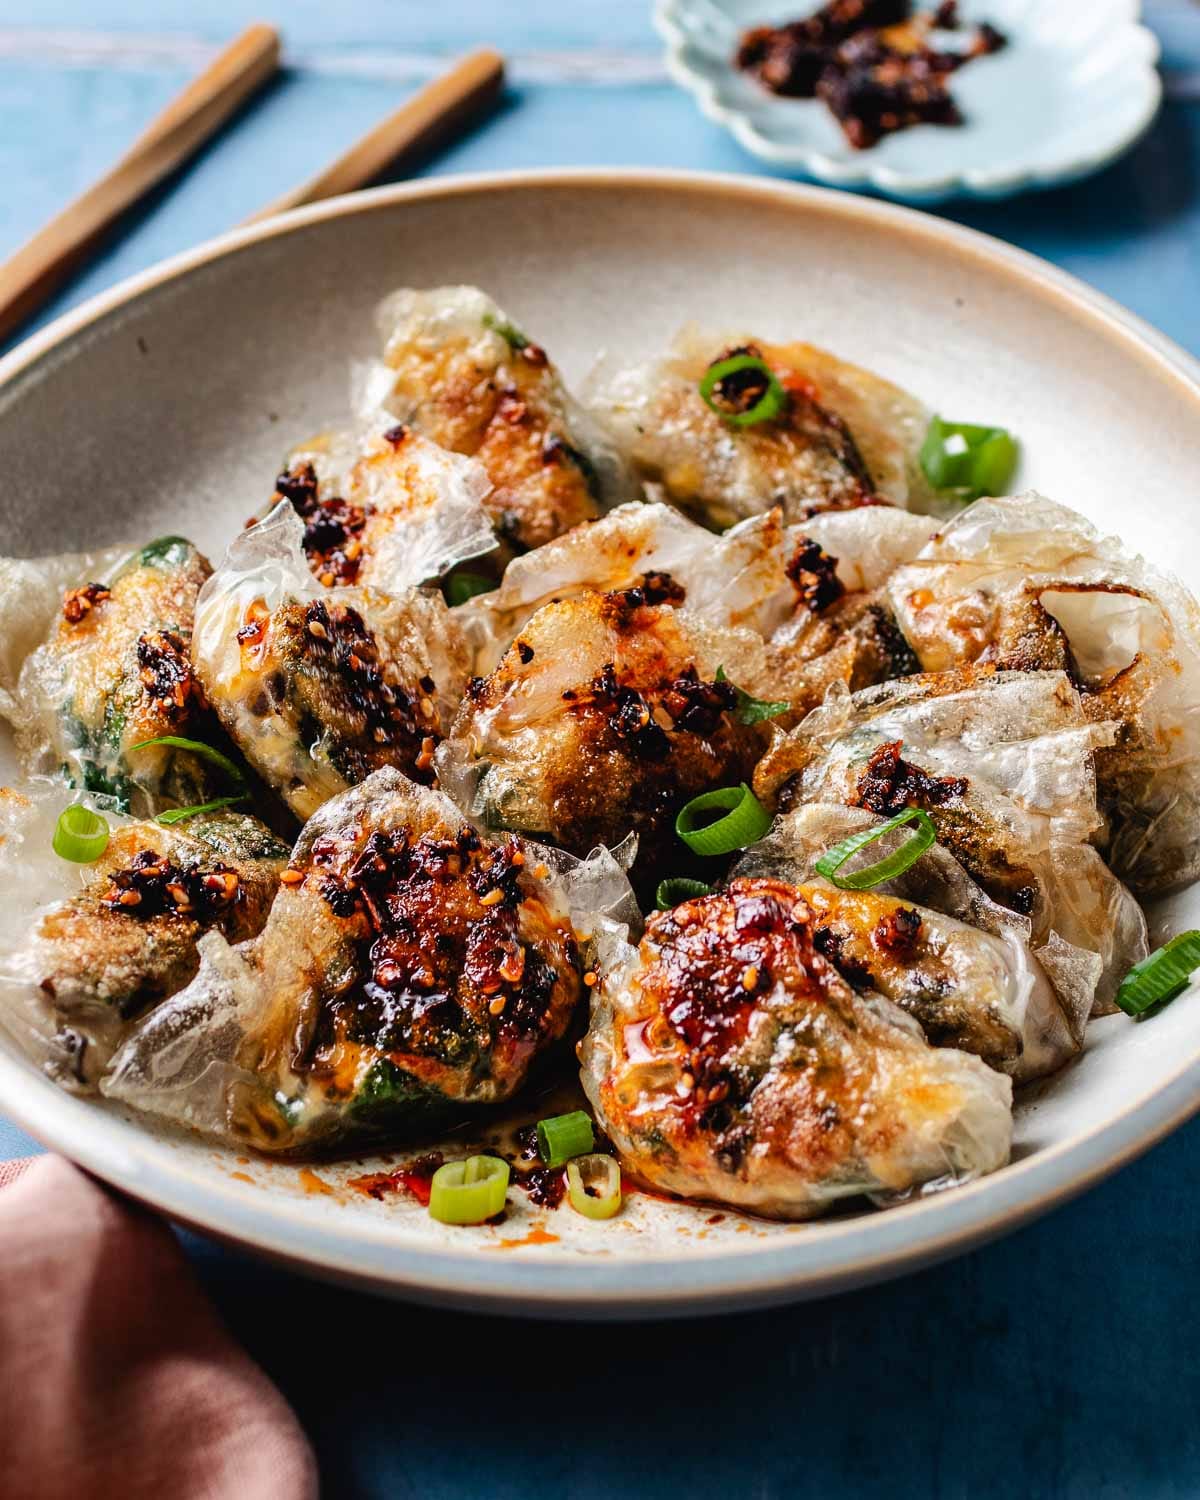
(917, 187)
(825, 1257)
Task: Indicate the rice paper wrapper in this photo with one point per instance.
(265, 568)
(1027, 583)
(33, 878)
(424, 506)
(928, 1117)
(226, 1054)
(1023, 823)
(457, 335)
(1039, 997)
(677, 442)
(31, 595)
(737, 580)
(77, 967)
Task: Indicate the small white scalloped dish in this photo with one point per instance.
(1075, 86)
(165, 405)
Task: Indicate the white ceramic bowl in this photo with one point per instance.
(167, 404)
(1075, 87)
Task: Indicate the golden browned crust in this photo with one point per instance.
(506, 419)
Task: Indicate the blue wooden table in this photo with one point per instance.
(1060, 1362)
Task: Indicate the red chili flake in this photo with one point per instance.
(332, 526)
(897, 933)
(416, 1179)
(627, 714)
(695, 706)
(814, 576)
(165, 669)
(889, 784)
(80, 602)
(151, 885)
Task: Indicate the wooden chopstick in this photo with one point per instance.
(434, 113)
(42, 264)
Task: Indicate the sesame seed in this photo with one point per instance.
(498, 1004)
(426, 707)
(327, 580)
(518, 858)
(750, 977)
(541, 871)
(589, 978)
(493, 897)
(129, 898)
(316, 628)
(352, 550)
(292, 877)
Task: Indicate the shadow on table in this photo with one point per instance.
(1059, 1362)
(1146, 189)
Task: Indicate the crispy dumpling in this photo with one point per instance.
(1003, 764)
(388, 509)
(845, 438)
(113, 670)
(728, 1060)
(603, 718)
(1027, 584)
(758, 576)
(411, 971)
(85, 950)
(320, 687)
(934, 943)
(458, 370)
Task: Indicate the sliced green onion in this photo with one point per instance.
(967, 460)
(752, 710)
(676, 889)
(179, 814)
(197, 747)
(80, 835)
(885, 869)
(745, 822)
(1160, 977)
(468, 1192)
(563, 1136)
(594, 1186)
(772, 401)
(509, 332)
(463, 586)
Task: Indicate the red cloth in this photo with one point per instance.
(116, 1378)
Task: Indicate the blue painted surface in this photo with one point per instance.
(1060, 1362)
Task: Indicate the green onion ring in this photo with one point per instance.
(677, 888)
(463, 586)
(746, 821)
(563, 1136)
(178, 814)
(594, 1186)
(80, 835)
(468, 1192)
(968, 460)
(772, 401)
(895, 864)
(1161, 976)
(197, 747)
